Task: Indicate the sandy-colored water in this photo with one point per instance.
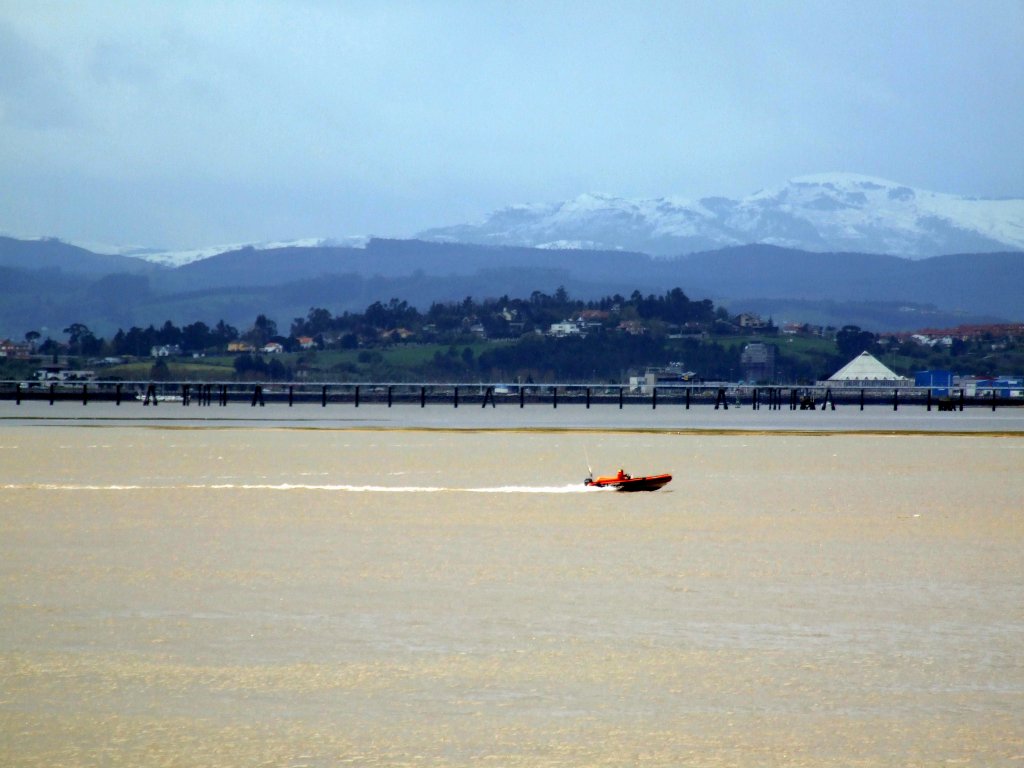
(325, 597)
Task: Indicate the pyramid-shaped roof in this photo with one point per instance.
(865, 367)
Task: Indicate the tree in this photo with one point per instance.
(75, 332)
(196, 337)
(262, 330)
(223, 333)
(276, 370)
(851, 341)
(250, 366)
(169, 334)
(82, 341)
(160, 371)
(49, 347)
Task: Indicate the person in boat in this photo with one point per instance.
(622, 475)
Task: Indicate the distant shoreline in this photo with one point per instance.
(699, 420)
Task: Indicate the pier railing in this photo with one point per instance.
(719, 395)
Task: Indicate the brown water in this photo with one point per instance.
(323, 597)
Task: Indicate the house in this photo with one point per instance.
(674, 373)
(239, 346)
(394, 335)
(632, 327)
(272, 348)
(306, 342)
(164, 350)
(751, 322)
(758, 362)
(565, 328)
(15, 349)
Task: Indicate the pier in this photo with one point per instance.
(712, 395)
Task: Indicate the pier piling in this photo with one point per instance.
(828, 400)
(720, 399)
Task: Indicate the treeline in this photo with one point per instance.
(138, 342)
(501, 318)
(610, 338)
(397, 320)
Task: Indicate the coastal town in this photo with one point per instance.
(640, 342)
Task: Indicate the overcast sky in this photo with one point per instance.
(178, 124)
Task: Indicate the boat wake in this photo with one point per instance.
(344, 488)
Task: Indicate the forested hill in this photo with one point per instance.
(52, 254)
(51, 284)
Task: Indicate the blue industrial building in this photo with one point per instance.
(1004, 386)
(940, 381)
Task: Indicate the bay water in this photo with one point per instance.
(179, 595)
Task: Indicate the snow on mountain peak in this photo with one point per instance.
(179, 258)
(842, 179)
(819, 212)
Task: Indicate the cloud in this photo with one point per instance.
(347, 118)
(33, 90)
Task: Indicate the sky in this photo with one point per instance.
(183, 124)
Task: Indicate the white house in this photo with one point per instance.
(164, 350)
(566, 328)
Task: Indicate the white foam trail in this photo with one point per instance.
(66, 487)
(573, 488)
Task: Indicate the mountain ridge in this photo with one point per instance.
(284, 283)
(819, 212)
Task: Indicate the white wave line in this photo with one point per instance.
(573, 488)
(67, 487)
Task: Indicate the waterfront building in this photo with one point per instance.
(865, 370)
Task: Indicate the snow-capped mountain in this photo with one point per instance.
(182, 257)
(837, 212)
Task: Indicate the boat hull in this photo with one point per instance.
(631, 484)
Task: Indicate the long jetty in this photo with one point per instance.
(719, 395)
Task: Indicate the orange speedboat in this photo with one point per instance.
(623, 481)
